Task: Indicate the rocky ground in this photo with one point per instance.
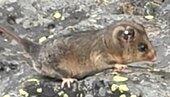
(42, 19)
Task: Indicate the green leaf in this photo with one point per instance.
(119, 78)
(39, 90)
(133, 96)
(57, 15)
(6, 95)
(123, 88)
(42, 39)
(23, 93)
(123, 95)
(114, 87)
(34, 80)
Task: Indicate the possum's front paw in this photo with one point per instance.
(120, 67)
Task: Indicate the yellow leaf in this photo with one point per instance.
(149, 17)
(114, 87)
(39, 90)
(93, 20)
(23, 93)
(34, 80)
(42, 39)
(60, 93)
(156, 69)
(94, 15)
(123, 88)
(57, 15)
(123, 95)
(6, 96)
(62, 18)
(70, 27)
(50, 36)
(133, 96)
(114, 73)
(65, 95)
(80, 95)
(119, 78)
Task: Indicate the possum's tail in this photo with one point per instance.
(29, 46)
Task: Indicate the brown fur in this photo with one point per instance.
(85, 53)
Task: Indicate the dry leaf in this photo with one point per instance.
(60, 93)
(123, 88)
(57, 15)
(34, 80)
(6, 96)
(23, 93)
(119, 78)
(42, 39)
(114, 87)
(133, 96)
(65, 95)
(149, 17)
(50, 36)
(123, 95)
(39, 90)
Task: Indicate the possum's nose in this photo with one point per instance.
(154, 58)
(152, 55)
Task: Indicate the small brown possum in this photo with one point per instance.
(79, 54)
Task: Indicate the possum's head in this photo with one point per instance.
(133, 42)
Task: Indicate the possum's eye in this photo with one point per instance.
(142, 47)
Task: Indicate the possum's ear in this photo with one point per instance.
(127, 35)
(124, 34)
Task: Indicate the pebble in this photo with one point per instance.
(19, 20)
(10, 8)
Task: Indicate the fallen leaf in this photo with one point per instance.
(149, 17)
(114, 87)
(57, 15)
(123, 88)
(34, 80)
(114, 73)
(50, 36)
(70, 27)
(156, 69)
(39, 90)
(133, 96)
(94, 15)
(123, 95)
(119, 78)
(23, 93)
(65, 95)
(62, 18)
(93, 20)
(42, 39)
(60, 93)
(6, 95)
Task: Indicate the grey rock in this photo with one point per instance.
(102, 91)
(34, 16)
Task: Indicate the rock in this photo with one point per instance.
(33, 18)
